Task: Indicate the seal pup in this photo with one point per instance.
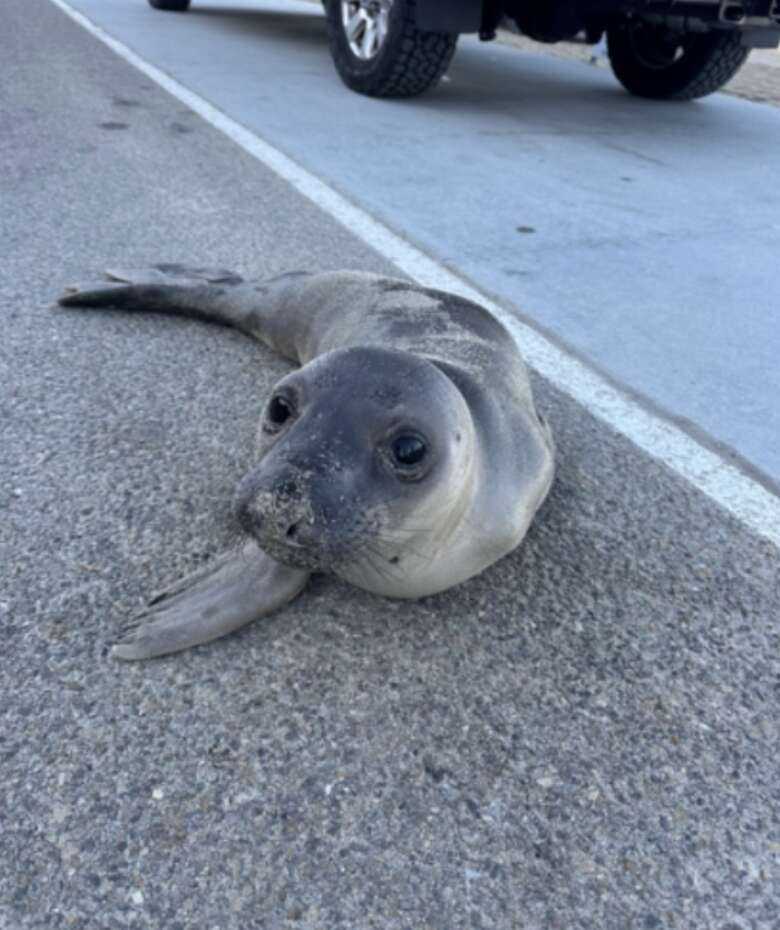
(404, 456)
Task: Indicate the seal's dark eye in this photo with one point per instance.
(279, 410)
(408, 450)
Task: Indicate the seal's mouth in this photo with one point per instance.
(295, 554)
(300, 528)
(290, 538)
(358, 551)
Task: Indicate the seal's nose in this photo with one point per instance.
(286, 488)
(291, 536)
(272, 507)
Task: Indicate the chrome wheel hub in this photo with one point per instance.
(365, 26)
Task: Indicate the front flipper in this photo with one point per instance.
(230, 592)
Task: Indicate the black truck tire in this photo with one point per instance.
(651, 61)
(407, 60)
(178, 6)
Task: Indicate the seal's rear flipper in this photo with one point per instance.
(283, 312)
(173, 273)
(169, 288)
(235, 589)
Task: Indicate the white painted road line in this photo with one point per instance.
(747, 500)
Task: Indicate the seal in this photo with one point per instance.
(405, 455)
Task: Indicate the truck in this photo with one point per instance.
(658, 49)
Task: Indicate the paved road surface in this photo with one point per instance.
(586, 736)
(631, 231)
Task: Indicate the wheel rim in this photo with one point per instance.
(365, 26)
(656, 47)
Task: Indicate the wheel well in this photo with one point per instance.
(444, 16)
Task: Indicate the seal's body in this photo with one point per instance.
(404, 456)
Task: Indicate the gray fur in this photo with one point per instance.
(383, 362)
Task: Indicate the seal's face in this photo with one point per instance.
(366, 464)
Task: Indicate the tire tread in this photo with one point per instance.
(418, 63)
(713, 63)
(719, 70)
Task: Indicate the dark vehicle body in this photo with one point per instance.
(663, 49)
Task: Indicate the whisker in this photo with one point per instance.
(379, 565)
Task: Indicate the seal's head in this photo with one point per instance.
(367, 463)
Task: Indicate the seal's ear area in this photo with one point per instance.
(235, 589)
(472, 392)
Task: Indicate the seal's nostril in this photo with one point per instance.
(292, 531)
(287, 488)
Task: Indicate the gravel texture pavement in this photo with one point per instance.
(585, 736)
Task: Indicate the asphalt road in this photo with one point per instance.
(585, 736)
(630, 230)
